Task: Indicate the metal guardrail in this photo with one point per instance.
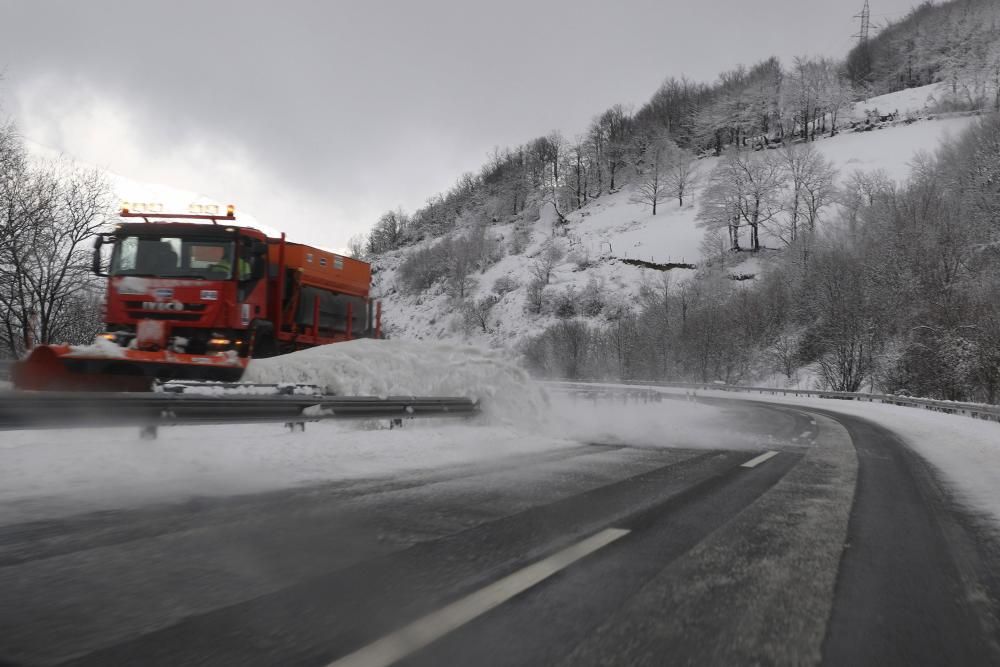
(974, 410)
(632, 394)
(25, 410)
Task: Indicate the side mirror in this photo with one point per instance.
(95, 265)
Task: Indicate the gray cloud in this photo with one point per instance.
(353, 107)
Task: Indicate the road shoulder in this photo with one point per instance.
(764, 581)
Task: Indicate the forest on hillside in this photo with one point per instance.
(747, 107)
(877, 284)
(901, 294)
(955, 42)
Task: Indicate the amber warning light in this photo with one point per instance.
(195, 212)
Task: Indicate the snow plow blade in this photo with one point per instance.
(64, 368)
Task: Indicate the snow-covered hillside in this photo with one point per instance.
(602, 234)
(601, 238)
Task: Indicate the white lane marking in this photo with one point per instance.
(757, 460)
(422, 632)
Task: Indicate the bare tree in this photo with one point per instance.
(534, 295)
(818, 189)
(356, 246)
(49, 216)
(611, 132)
(680, 174)
(810, 179)
(388, 232)
(720, 208)
(757, 181)
(477, 312)
(461, 266)
(652, 187)
(547, 260)
(836, 92)
(784, 354)
(744, 189)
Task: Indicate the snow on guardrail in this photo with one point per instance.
(974, 410)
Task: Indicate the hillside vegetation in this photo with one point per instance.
(780, 224)
(957, 43)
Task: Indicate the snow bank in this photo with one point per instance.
(370, 367)
(50, 473)
(966, 451)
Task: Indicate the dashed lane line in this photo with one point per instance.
(757, 460)
(420, 633)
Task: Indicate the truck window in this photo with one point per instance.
(173, 257)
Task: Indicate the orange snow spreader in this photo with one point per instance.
(70, 368)
(194, 297)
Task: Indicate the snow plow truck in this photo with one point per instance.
(194, 297)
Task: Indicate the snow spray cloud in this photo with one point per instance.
(674, 421)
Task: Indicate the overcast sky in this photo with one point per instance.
(317, 116)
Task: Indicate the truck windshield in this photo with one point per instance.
(173, 257)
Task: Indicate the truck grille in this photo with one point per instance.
(188, 307)
(174, 315)
(190, 312)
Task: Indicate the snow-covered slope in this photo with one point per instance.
(602, 235)
(614, 228)
(911, 101)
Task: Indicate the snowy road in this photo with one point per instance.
(812, 537)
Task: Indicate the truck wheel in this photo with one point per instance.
(265, 347)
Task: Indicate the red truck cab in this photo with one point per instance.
(189, 288)
(192, 300)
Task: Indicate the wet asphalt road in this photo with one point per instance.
(842, 548)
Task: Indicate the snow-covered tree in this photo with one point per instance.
(652, 186)
(48, 216)
(680, 173)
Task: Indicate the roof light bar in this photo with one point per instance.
(195, 212)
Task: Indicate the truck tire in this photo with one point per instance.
(265, 347)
